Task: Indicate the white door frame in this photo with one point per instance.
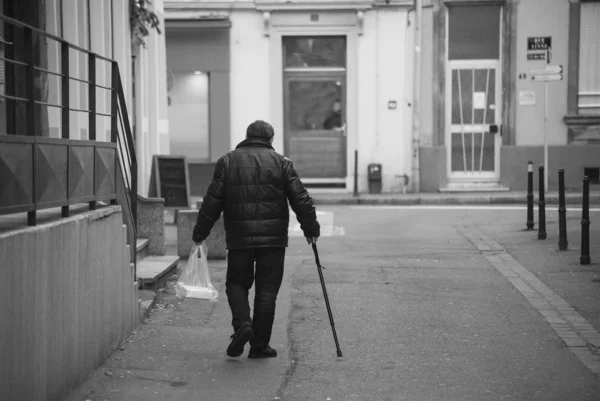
(485, 176)
(277, 108)
(478, 128)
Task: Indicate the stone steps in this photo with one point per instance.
(142, 248)
(154, 271)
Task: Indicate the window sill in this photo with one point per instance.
(583, 129)
(581, 120)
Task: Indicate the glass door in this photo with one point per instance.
(474, 140)
(473, 92)
(316, 125)
(314, 78)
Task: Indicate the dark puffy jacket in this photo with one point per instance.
(252, 186)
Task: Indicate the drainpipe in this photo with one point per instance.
(416, 134)
(375, 150)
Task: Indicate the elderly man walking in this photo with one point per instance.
(252, 186)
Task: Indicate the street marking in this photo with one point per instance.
(328, 229)
(462, 207)
(578, 335)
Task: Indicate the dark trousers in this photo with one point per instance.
(268, 275)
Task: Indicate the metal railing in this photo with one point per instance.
(40, 172)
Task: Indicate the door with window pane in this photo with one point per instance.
(474, 96)
(314, 105)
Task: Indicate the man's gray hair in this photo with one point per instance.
(260, 129)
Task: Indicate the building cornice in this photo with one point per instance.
(283, 5)
(208, 5)
(305, 5)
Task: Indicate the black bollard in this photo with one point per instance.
(563, 245)
(585, 223)
(542, 207)
(530, 195)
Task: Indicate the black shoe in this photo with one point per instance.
(239, 339)
(262, 352)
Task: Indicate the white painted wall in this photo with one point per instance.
(250, 76)
(151, 117)
(384, 134)
(189, 125)
(381, 69)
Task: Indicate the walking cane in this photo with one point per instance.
(319, 267)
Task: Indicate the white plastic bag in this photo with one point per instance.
(194, 281)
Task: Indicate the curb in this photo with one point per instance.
(575, 199)
(147, 300)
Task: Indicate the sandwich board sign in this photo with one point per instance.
(170, 180)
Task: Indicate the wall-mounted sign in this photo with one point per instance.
(549, 69)
(479, 100)
(536, 56)
(546, 78)
(539, 43)
(527, 98)
(538, 48)
(548, 73)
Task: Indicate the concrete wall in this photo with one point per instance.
(427, 60)
(432, 161)
(573, 159)
(63, 313)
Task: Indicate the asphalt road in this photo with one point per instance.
(422, 315)
(420, 311)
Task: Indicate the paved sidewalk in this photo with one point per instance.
(480, 198)
(578, 285)
(178, 353)
(466, 332)
(567, 321)
(483, 198)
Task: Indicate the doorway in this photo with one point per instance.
(474, 95)
(314, 90)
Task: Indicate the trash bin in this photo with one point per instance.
(374, 178)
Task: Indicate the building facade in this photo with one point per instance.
(337, 78)
(103, 27)
(502, 81)
(333, 77)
